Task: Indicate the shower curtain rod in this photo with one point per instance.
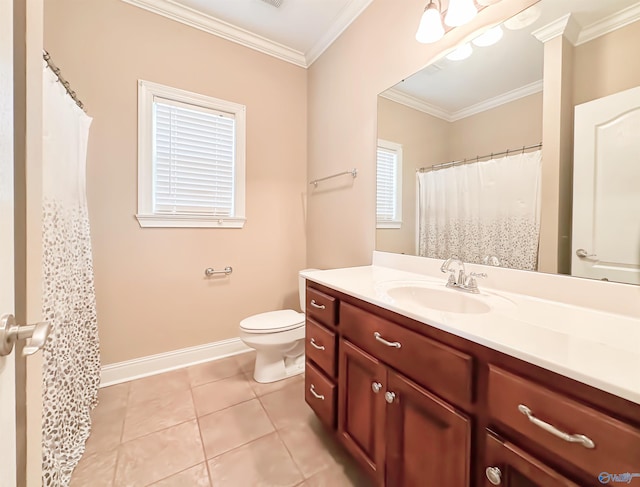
(443, 165)
(56, 70)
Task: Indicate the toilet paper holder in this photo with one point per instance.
(210, 271)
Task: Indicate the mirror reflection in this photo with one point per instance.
(476, 160)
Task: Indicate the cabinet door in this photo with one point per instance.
(361, 407)
(508, 466)
(428, 441)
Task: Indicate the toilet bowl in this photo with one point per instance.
(278, 338)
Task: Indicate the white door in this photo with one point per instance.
(606, 188)
(7, 364)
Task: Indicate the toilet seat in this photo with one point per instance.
(273, 321)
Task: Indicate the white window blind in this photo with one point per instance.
(193, 163)
(387, 177)
(191, 159)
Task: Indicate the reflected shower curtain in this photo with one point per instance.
(71, 369)
(483, 212)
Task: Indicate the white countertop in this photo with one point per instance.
(597, 348)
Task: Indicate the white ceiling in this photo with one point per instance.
(298, 31)
(510, 69)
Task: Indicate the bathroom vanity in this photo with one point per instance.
(424, 388)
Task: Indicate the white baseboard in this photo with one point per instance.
(164, 362)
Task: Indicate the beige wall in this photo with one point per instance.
(607, 65)
(505, 127)
(152, 296)
(429, 140)
(424, 142)
(375, 52)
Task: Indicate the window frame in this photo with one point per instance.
(397, 148)
(147, 91)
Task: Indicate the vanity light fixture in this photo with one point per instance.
(463, 52)
(489, 38)
(430, 29)
(460, 12)
(486, 3)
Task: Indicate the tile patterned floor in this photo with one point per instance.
(211, 425)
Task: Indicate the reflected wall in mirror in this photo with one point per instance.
(520, 92)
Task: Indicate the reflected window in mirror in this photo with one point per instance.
(389, 184)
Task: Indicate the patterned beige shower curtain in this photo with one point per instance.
(71, 370)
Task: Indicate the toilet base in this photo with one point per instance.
(271, 366)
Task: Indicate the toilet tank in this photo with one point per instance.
(302, 283)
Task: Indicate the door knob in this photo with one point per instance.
(389, 397)
(583, 254)
(376, 386)
(494, 475)
(10, 333)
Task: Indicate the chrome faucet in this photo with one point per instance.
(462, 281)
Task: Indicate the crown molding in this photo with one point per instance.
(173, 10)
(609, 24)
(348, 14)
(422, 106)
(417, 104)
(508, 97)
(564, 26)
(211, 25)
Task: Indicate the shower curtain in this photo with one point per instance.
(483, 212)
(71, 369)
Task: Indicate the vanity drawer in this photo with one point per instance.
(322, 307)
(444, 370)
(320, 346)
(320, 394)
(616, 444)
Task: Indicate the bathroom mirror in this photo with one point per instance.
(492, 101)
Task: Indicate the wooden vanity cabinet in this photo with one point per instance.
(419, 407)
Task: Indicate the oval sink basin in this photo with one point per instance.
(436, 296)
(441, 299)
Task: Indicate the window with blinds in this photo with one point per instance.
(389, 185)
(191, 159)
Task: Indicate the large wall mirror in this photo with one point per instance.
(506, 122)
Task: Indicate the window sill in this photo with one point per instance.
(188, 221)
(389, 224)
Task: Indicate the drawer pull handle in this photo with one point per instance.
(315, 345)
(582, 439)
(494, 475)
(315, 394)
(376, 386)
(378, 337)
(389, 396)
(316, 305)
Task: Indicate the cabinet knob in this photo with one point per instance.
(376, 386)
(389, 396)
(494, 475)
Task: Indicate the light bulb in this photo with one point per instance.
(489, 37)
(430, 28)
(460, 12)
(463, 52)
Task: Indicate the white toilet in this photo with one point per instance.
(278, 337)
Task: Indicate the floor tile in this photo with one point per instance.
(106, 429)
(113, 397)
(197, 476)
(213, 371)
(263, 389)
(286, 407)
(233, 427)
(158, 385)
(159, 455)
(246, 360)
(156, 414)
(96, 470)
(313, 449)
(221, 394)
(338, 477)
(263, 462)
